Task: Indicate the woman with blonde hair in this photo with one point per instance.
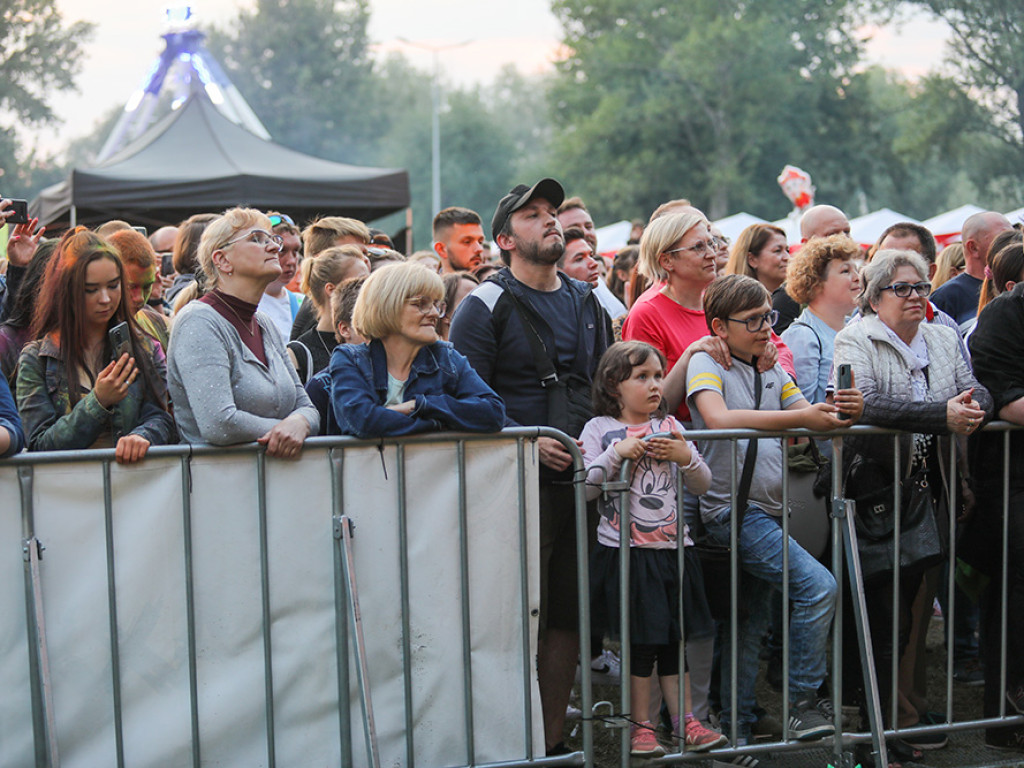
(405, 379)
(321, 274)
(948, 264)
(229, 374)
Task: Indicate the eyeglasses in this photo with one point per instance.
(277, 219)
(700, 248)
(903, 290)
(259, 237)
(756, 323)
(720, 242)
(425, 305)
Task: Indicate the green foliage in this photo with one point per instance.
(305, 69)
(988, 56)
(39, 55)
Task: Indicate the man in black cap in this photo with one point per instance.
(545, 383)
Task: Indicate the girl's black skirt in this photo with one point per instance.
(654, 595)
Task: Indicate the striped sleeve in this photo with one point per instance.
(703, 373)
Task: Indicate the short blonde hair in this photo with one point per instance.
(329, 266)
(808, 267)
(660, 235)
(220, 232)
(322, 233)
(378, 310)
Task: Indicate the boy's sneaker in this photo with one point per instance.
(1005, 738)
(1016, 698)
(807, 723)
(606, 669)
(926, 741)
(762, 760)
(643, 742)
(701, 739)
(766, 728)
(969, 672)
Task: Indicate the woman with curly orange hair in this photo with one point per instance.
(823, 276)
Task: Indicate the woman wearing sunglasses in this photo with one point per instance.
(913, 378)
(406, 380)
(229, 375)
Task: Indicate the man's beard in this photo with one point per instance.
(538, 253)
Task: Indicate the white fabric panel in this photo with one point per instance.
(148, 534)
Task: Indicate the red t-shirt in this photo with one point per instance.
(668, 327)
(671, 328)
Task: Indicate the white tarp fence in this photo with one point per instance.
(148, 537)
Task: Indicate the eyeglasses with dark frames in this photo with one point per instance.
(756, 323)
(903, 290)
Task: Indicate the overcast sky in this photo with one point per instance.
(127, 40)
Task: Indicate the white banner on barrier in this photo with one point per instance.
(152, 635)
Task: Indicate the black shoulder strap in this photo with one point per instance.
(743, 492)
(805, 325)
(541, 359)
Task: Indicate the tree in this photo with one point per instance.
(305, 68)
(39, 55)
(707, 101)
(989, 59)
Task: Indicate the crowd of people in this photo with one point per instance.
(242, 326)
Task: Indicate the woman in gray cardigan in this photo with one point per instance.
(228, 372)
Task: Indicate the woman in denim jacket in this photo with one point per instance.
(405, 380)
(71, 393)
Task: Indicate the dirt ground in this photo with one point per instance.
(966, 748)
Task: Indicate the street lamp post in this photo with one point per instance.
(435, 139)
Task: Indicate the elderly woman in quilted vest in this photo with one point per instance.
(913, 378)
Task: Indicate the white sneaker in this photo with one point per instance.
(605, 669)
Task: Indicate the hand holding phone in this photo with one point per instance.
(844, 380)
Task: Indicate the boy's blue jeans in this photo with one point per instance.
(812, 592)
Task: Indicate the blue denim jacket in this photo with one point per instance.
(448, 393)
(52, 424)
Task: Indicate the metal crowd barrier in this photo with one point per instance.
(205, 606)
(844, 565)
(287, 708)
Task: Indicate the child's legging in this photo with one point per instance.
(642, 659)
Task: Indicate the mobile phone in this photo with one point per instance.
(142, 231)
(844, 380)
(20, 208)
(120, 340)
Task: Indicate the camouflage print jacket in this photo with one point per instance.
(51, 424)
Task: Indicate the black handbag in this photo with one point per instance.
(867, 483)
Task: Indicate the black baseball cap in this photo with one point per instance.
(520, 195)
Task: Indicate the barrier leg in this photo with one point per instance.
(343, 530)
(867, 661)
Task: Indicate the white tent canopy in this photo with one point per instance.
(1016, 217)
(951, 222)
(868, 228)
(731, 226)
(791, 226)
(614, 236)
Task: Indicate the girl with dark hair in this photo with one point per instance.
(71, 393)
(630, 425)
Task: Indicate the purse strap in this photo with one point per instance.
(743, 492)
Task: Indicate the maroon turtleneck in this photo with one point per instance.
(241, 316)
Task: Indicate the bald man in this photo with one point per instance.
(959, 297)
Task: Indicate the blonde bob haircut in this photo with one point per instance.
(378, 310)
(223, 230)
(660, 235)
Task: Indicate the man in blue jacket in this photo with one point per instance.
(493, 329)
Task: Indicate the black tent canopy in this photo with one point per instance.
(197, 160)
